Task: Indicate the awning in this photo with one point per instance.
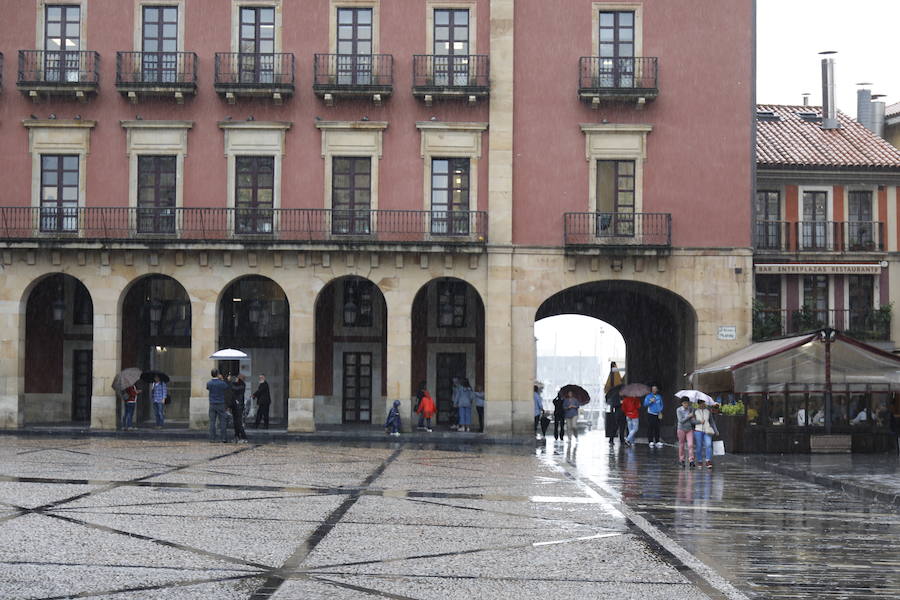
(799, 360)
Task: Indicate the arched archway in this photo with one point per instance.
(351, 352)
(58, 366)
(447, 341)
(254, 316)
(659, 327)
(156, 335)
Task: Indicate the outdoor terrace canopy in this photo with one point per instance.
(800, 359)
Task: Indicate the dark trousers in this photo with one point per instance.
(480, 410)
(653, 427)
(559, 426)
(537, 420)
(262, 414)
(238, 420)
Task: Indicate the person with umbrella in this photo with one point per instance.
(704, 430)
(570, 412)
(217, 388)
(614, 421)
(631, 406)
(159, 391)
(131, 394)
(123, 384)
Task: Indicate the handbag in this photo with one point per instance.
(167, 400)
(719, 448)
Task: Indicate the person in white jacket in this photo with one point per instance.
(704, 430)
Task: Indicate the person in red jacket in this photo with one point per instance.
(426, 408)
(632, 408)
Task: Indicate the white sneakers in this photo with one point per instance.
(656, 444)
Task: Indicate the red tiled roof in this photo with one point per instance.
(791, 141)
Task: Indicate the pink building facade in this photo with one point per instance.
(365, 195)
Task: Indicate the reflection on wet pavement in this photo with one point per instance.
(771, 535)
(105, 518)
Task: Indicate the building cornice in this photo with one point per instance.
(451, 126)
(140, 124)
(59, 123)
(351, 124)
(254, 125)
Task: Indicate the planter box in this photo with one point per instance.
(731, 430)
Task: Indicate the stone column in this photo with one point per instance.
(106, 353)
(301, 398)
(203, 343)
(12, 349)
(399, 353)
(498, 342)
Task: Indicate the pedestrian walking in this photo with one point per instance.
(704, 430)
(613, 417)
(130, 397)
(559, 419)
(158, 394)
(420, 393)
(393, 423)
(478, 397)
(538, 410)
(653, 402)
(684, 429)
(234, 403)
(456, 389)
(217, 388)
(570, 412)
(631, 406)
(261, 395)
(464, 401)
(426, 409)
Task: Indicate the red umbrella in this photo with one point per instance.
(579, 392)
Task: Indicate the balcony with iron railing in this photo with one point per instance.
(870, 324)
(58, 72)
(353, 75)
(156, 74)
(442, 76)
(71, 224)
(246, 74)
(617, 79)
(618, 230)
(819, 236)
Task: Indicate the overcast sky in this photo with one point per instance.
(791, 33)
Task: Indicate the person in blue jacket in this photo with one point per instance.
(393, 419)
(653, 402)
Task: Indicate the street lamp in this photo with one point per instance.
(156, 310)
(351, 312)
(59, 309)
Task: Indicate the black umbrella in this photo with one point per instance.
(579, 392)
(150, 376)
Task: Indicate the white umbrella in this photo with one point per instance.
(695, 395)
(228, 354)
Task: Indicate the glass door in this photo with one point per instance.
(159, 47)
(616, 69)
(354, 46)
(256, 59)
(357, 387)
(62, 43)
(451, 47)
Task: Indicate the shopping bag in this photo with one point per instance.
(719, 448)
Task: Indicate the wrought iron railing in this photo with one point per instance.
(618, 229)
(466, 73)
(863, 324)
(239, 70)
(820, 236)
(599, 75)
(156, 69)
(353, 72)
(235, 224)
(58, 67)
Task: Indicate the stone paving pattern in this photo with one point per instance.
(129, 519)
(107, 518)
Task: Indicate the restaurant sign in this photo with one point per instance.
(818, 269)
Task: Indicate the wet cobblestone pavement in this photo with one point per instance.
(123, 519)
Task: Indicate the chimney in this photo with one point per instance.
(805, 98)
(829, 110)
(878, 115)
(864, 106)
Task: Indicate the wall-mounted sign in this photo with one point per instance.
(727, 332)
(818, 268)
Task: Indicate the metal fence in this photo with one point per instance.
(158, 69)
(863, 324)
(820, 236)
(236, 224)
(58, 67)
(598, 74)
(469, 73)
(353, 71)
(255, 70)
(618, 229)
